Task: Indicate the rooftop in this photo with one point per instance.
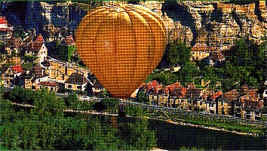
(76, 78)
(17, 68)
(49, 83)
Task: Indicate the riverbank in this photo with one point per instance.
(181, 123)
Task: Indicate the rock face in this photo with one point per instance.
(58, 14)
(217, 24)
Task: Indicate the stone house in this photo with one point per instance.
(37, 48)
(200, 51)
(5, 29)
(76, 82)
(224, 107)
(10, 73)
(56, 70)
(27, 77)
(49, 85)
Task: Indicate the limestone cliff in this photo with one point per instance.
(217, 24)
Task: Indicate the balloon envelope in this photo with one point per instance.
(121, 45)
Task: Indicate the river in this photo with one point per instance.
(173, 137)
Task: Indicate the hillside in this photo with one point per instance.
(212, 22)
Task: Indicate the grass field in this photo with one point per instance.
(2, 148)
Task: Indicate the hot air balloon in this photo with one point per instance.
(121, 44)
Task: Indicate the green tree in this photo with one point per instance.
(241, 52)
(141, 97)
(178, 53)
(47, 104)
(136, 135)
(188, 72)
(28, 58)
(70, 51)
(163, 77)
(71, 100)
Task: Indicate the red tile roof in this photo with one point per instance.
(39, 39)
(17, 69)
(170, 88)
(4, 24)
(253, 93)
(179, 92)
(152, 84)
(37, 44)
(216, 95)
(3, 20)
(231, 95)
(49, 83)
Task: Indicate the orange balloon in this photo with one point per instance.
(121, 44)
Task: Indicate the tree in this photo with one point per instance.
(163, 77)
(136, 135)
(28, 58)
(47, 104)
(141, 97)
(241, 53)
(71, 99)
(188, 72)
(178, 53)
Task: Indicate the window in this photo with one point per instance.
(69, 86)
(79, 87)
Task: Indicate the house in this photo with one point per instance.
(56, 70)
(38, 71)
(224, 107)
(10, 73)
(14, 60)
(153, 87)
(211, 107)
(232, 95)
(50, 85)
(194, 93)
(170, 88)
(200, 51)
(179, 92)
(97, 88)
(75, 82)
(217, 57)
(37, 48)
(5, 29)
(25, 80)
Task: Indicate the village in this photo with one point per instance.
(25, 62)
